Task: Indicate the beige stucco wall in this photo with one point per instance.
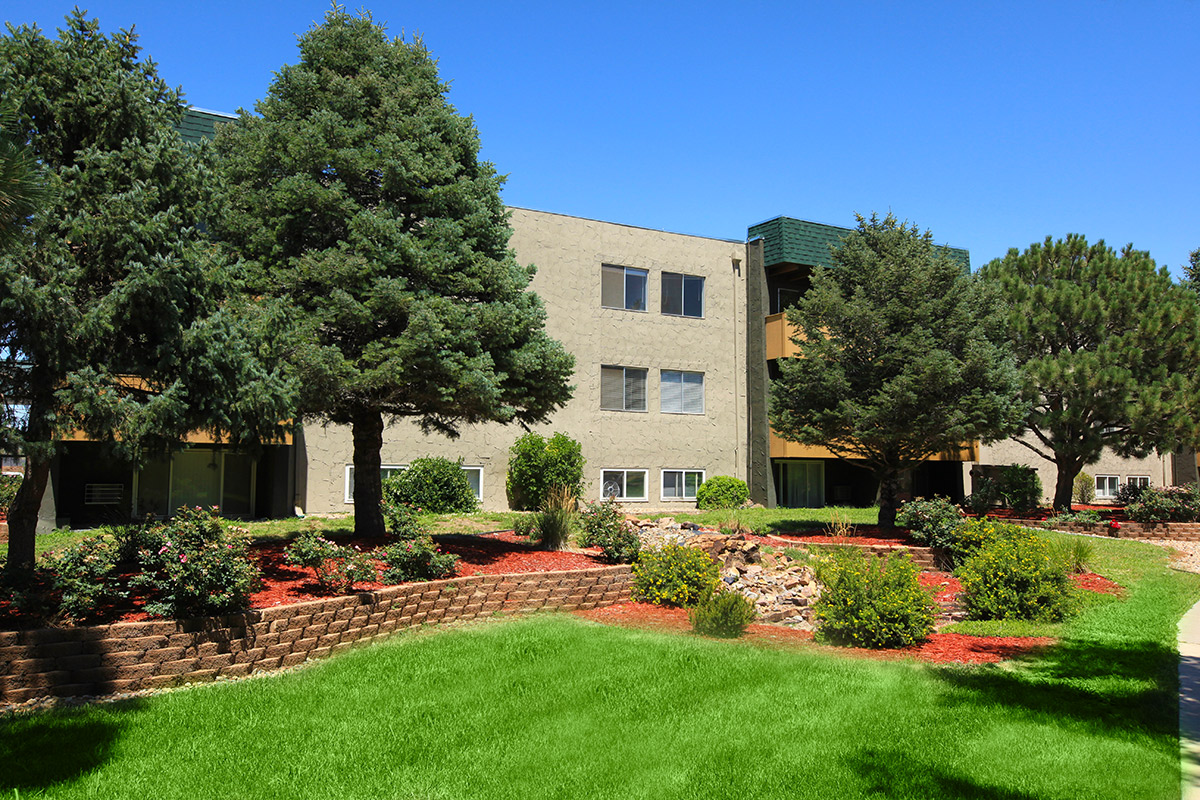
(568, 252)
(1010, 451)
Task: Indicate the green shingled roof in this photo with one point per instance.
(796, 241)
(199, 124)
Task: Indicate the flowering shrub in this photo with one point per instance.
(416, 560)
(198, 567)
(83, 577)
(605, 526)
(336, 567)
(400, 517)
(868, 601)
(436, 485)
(1016, 575)
(723, 614)
(674, 576)
(1166, 504)
(722, 491)
(934, 522)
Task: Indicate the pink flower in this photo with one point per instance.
(163, 549)
(182, 558)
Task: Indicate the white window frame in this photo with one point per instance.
(683, 280)
(349, 486)
(625, 483)
(645, 273)
(1143, 481)
(625, 387)
(662, 484)
(1111, 481)
(476, 468)
(662, 395)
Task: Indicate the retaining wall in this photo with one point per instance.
(129, 656)
(1179, 531)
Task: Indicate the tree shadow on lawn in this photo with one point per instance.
(41, 750)
(895, 773)
(1103, 685)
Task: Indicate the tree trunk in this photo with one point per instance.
(367, 429)
(23, 513)
(1064, 485)
(887, 499)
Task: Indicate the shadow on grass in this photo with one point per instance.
(893, 773)
(41, 750)
(1111, 687)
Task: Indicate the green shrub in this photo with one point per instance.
(604, 526)
(84, 577)
(722, 614)
(537, 465)
(1015, 575)
(1019, 487)
(336, 567)
(525, 526)
(432, 485)
(1084, 489)
(983, 498)
(934, 522)
(674, 576)
(132, 539)
(200, 568)
(1129, 493)
(722, 491)
(1085, 517)
(416, 560)
(975, 533)
(8, 490)
(401, 518)
(867, 601)
(1074, 553)
(1166, 504)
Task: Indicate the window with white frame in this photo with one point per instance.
(682, 295)
(1140, 481)
(623, 484)
(623, 287)
(474, 477)
(1107, 486)
(681, 392)
(622, 388)
(681, 484)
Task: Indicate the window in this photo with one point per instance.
(1140, 481)
(1107, 486)
(682, 295)
(682, 392)
(681, 484)
(622, 389)
(475, 478)
(623, 287)
(384, 472)
(623, 484)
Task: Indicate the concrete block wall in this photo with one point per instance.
(130, 656)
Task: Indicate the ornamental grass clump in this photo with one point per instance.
(1017, 575)
(336, 567)
(554, 523)
(725, 615)
(674, 576)
(869, 601)
(416, 560)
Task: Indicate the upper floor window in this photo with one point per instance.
(622, 388)
(623, 287)
(681, 392)
(682, 295)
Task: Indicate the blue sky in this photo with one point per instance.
(991, 124)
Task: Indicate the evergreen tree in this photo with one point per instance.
(115, 312)
(22, 186)
(1109, 348)
(359, 193)
(899, 357)
(1191, 271)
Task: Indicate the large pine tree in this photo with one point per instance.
(1109, 348)
(115, 311)
(358, 192)
(901, 357)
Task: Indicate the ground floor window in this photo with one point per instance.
(474, 477)
(623, 484)
(681, 484)
(1140, 481)
(801, 484)
(196, 477)
(1107, 486)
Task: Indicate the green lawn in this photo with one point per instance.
(552, 706)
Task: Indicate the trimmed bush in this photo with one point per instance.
(722, 491)
(84, 578)
(416, 560)
(336, 567)
(1084, 489)
(1019, 487)
(674, 576)
(604, 526)
(1167, 504)
(975, 533)
(722, 614)
(1087, 517)
(433, 485)
(537, 465)
(1015, 575)
(868, 601)
(199, 569)
(934, 522)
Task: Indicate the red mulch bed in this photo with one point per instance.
(946, 586)
(1097, 583)
(941, 648)
(864, 535)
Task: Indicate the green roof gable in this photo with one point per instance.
(199, 124)
(797, 241)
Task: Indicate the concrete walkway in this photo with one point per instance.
(1189, 704)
